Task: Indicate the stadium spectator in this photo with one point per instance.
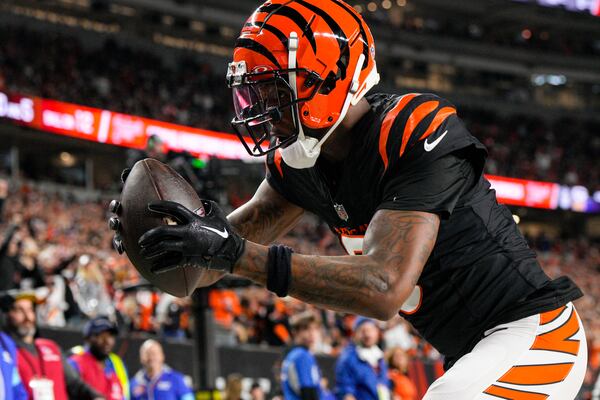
(360, 371)
(225, 305)
(233, 387)
(397, 361)
(10, 381)
(156, 380)
(42, 366)
(398, 334)
(95, 362)
(92, 285)
(172, 315)
(257, 392)
(146, 301)
(57, 302)
(300, 373)
(8, 249)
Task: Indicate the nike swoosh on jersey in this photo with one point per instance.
(432, 145)
(223, 234)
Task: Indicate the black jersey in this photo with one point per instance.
(413, 153)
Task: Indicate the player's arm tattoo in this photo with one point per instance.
(267, 216)
(397, 246)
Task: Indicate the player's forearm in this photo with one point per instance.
(259, 224)
(397, 246)
(266, 217)
(353, 284)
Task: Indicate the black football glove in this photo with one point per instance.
(206, 241)
(114, 223)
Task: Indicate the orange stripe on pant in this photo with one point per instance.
(512, 394)
(547, 317)
(543, 374)
(559, 338)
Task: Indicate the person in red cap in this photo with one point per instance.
(44, 370)
(97, 364)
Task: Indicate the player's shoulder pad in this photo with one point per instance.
(410, 119)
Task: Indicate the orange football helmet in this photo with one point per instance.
(299, 63)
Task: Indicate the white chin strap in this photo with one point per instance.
(304, 152)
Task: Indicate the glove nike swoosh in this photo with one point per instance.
(223, 234)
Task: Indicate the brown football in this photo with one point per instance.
(151, 180)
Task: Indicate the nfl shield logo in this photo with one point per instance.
(341, 211)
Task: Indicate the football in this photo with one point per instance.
(151, 180)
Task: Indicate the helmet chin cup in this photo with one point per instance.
(303, 153)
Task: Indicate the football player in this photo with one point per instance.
(400, 179)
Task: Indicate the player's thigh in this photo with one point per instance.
(539, 357)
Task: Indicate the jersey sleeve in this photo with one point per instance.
(429, 157)
(344, 379)
(19, 392)
(133, 391)
(184, 392)
(306, 370)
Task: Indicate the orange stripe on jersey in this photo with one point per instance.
(559, 339)
(543, 374)
(440, 117)
(549, 316)
(277, 161)
(417, 116)
(386, 126)
(512, 394)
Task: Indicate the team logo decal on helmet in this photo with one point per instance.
(297, 67)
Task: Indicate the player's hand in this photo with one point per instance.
(206, 241)
(114, 223)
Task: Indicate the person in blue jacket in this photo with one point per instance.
(156, 380)
(300, 374)
(360, 372)
(10, 381)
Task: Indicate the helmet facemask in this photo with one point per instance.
(266, 106)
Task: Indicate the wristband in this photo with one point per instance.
(279, 269)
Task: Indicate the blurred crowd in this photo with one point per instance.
(541, 40)
(61, 247)
(546, 152)
(113, 77)
(189, 92)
